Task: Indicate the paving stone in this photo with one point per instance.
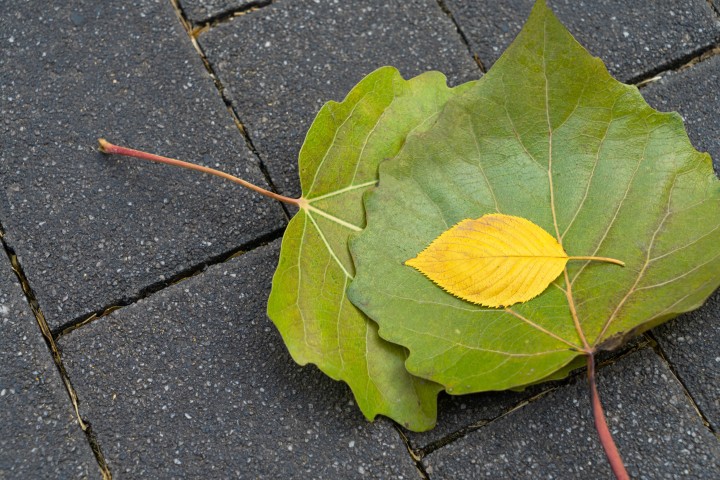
(282, 62)
(695, 95)
(89, 230)
(195, 382)
(40, 435)
(690, 343)
(202, 10)
(632, 38)
(657, 431)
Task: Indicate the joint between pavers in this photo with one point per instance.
(414, 455)
(682, 63)
(187, 25)
(463, 432)
(657, 348)
(198, 28)
(55, 353)
(443, 6)
(79, 322)
(714, 8)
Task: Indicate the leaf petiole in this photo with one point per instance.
(109, 148)
(600, 259)
(611, 451)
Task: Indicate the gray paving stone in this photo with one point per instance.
(91, 230)
(40, 435)
(632, 38)
(282, 62)
(194, 382)
(690, 343)
(656, 429)
(694, 93)
(202, 10)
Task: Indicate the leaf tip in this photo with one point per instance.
(411, 262)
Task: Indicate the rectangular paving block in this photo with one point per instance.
(90, 230)
(202, 10)
(195, 382)
(690, 344)
(281, 63)
(657, 431)
(41, 437)
(695, 94)
(632, 38)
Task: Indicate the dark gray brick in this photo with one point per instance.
(695, 94)
(202, 10)
(657, 431)
(40, 436)
(690, 343)
(632, 38)
(282, 62)
(194, 382)
(91, 230)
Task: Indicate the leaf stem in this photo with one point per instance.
(573, 312)
(611, 451)
(109, 148)
(600, 259)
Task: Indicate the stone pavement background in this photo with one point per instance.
(141, 289)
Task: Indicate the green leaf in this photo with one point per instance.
(308, 303)
(549, 136)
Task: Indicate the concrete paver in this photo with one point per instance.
(657, 431)
(690, 344)
(632, 38)
(280, 64)
(195, 382)
(91, 231)
(40, 437)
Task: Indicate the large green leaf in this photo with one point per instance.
(546, 135)
(308, 303)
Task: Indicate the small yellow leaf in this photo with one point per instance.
(496, 260)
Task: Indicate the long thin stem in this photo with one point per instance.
(611, 451)
(599, 259)
(107, 147)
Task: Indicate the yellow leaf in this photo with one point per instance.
(496, 260)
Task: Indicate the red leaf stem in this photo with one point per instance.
(107, 147)
(611, 451)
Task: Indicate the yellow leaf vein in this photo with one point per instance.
(327, 245)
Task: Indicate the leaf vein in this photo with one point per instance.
(327, 245)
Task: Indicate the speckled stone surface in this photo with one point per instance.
(280, 64)
(40, 436)
(196, 383)
(202, 10)
(695, 94)
(92, 231)
(632, 38)
(690, 344)
(658, 433)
